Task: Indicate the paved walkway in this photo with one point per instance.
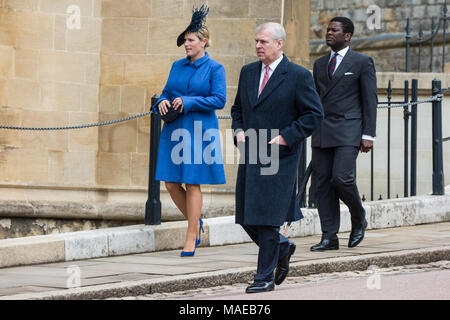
(167, 264)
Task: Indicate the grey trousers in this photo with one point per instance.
(334, 174)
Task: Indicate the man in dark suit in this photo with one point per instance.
(346, 83)
(276, 104)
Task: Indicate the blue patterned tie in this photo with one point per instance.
(332, 65)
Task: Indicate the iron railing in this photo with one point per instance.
(418, 39)
(307, 199)
(438, 158)
(410, 146)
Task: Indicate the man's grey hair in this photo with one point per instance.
(276, 29)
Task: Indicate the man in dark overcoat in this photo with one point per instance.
(275, 109)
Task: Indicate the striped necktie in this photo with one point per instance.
(266, 78)
(332, 65)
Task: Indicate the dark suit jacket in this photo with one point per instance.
(289, 103)
(349, 101)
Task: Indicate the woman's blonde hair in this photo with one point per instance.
(203, 33)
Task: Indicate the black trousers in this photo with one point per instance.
(272, 247)
(334, 173)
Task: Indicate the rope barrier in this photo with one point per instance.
(110, 122)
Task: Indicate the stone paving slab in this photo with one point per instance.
(122, 268)
(166, 271)
(20, 289)
(146, 260)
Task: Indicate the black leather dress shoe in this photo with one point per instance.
(357, 235)
(260, 286)
(326, 244)
(283, 265)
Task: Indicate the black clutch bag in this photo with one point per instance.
(171, 114)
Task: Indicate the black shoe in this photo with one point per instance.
(260, 286)
(326, 244)
(283, 265)
(357, 235)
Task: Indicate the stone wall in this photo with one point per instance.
(389, 51)
(387, 46)
(138, 48)
(111, 67)
(49, 77)
(54, 75)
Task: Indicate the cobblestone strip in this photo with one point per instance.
(290, 281)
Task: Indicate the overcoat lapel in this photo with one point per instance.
(253, 86)
(345, 64)
(274, 82)
(323, 70)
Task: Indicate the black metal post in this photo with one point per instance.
(438, 161)
(443, 37)
(406, 151)
(153, 204)
(419, 61)
(312, 190)
(302, 174)
(414, 94)
(408, 45)
(389, 142)
(433, 27)
(302, 185)
(371, 175)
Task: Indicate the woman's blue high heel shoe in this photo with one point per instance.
(188, 253)
(197, 241)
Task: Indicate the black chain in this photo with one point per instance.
(104, 123)
(82, 126)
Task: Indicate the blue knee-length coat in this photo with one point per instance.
(189, 148)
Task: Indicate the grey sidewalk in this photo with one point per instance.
(166, 271)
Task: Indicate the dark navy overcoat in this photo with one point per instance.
(289, 102)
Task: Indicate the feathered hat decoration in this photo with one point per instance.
(198, 18)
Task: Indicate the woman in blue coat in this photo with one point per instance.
(189, 149)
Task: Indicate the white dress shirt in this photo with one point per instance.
(341, 55)
(272, 68)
